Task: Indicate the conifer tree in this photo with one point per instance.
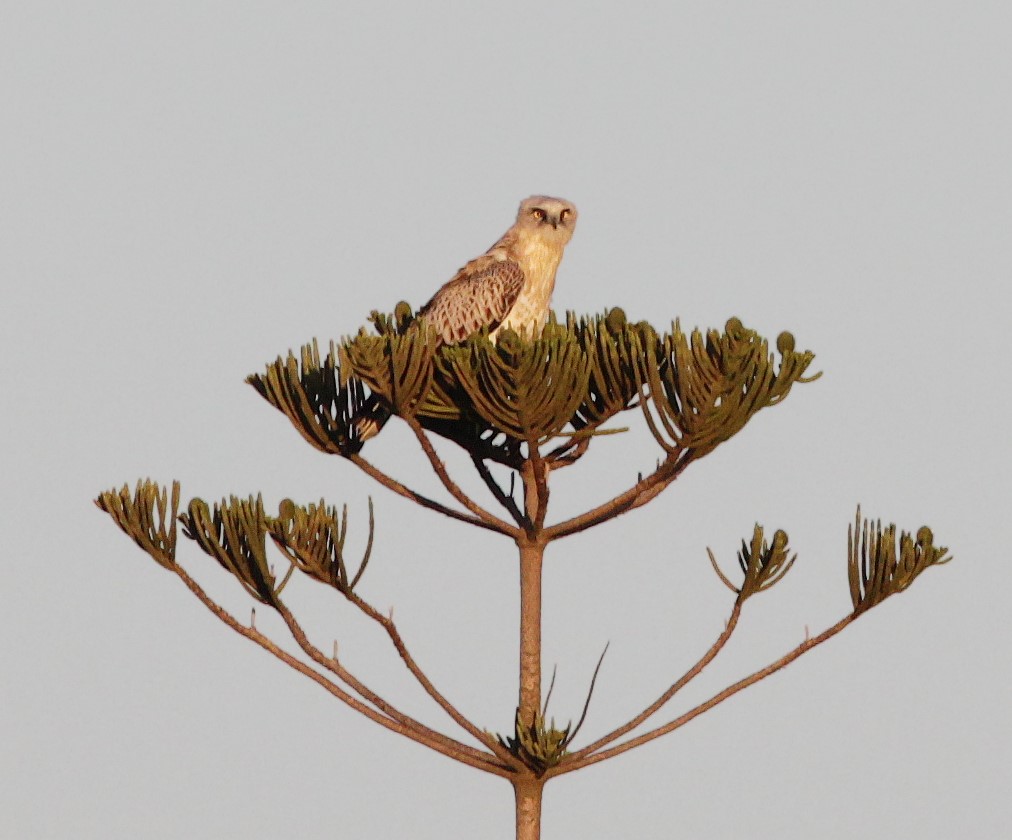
(525, 408)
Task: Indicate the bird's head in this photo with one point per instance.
(552, 218)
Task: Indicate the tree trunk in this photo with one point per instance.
(532, 550)
(528, 797)
(531, 555)
(527, 787)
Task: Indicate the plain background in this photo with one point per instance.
(189, 189)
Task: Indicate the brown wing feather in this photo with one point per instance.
(480, 295)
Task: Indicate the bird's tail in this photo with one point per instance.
(370, 419)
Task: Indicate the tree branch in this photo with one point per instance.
(731, 690)
(481, 761)
(487, 519)
(540, 477)
(567, 454)
(401, 490)
(639, 494)
(677, 686)
(366, 693)
(395, 637)
(501, 496)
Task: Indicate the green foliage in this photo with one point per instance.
(233, 533)
(528, 390)
(696, 391)
(396, 364)
(538, 744)
(762, 564)
(879, 566)
(611, 347)
(706, 388)
(317, 397)
(145, 517)
(312, 538)
(542, 745)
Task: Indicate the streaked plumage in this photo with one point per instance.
(509, 286)
(481, 295)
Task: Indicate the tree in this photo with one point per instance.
(526, 407)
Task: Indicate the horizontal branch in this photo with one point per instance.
(637, 495)
(730, 691)
(483, 762)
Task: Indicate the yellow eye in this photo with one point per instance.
(564, 214)
(538, 214)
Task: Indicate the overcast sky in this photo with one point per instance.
(189, 189)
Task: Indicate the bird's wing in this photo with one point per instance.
(480, 295)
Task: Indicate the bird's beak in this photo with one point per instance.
(555, 222)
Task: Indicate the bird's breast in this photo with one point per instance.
(539, 261)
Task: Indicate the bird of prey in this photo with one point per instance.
(508, 287)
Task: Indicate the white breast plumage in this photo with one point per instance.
(539, 262)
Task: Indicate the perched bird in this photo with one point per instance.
(508, 287)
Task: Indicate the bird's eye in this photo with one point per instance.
(564, 214)
(538, 214)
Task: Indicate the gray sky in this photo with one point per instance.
(190, 189)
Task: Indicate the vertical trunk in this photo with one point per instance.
(532, 550)
(531, 555)
(527, 787)
(528, 797)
